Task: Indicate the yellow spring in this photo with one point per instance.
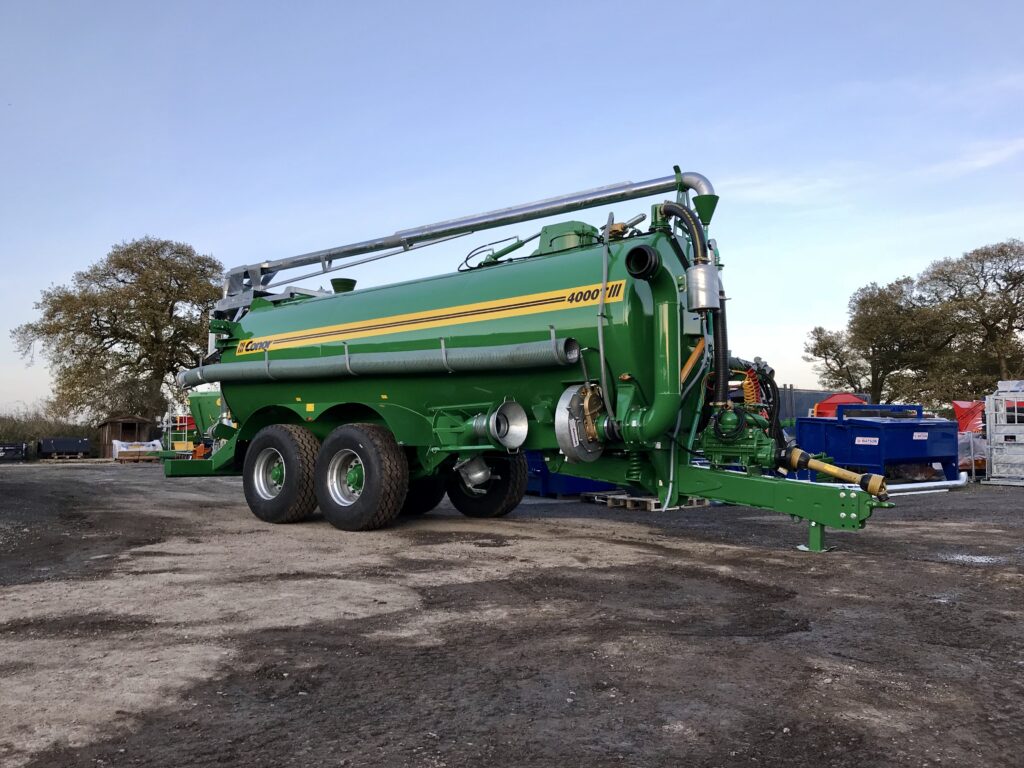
(751, 391)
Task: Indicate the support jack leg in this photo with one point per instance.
(815, 539)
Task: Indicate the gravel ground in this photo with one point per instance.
(152, 622)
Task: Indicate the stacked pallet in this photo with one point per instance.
(135, 457)
(642, 503)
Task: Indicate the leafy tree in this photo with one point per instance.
(951, 334)
(983, 294)
(117, 334)
(958, 372)
(889, 339)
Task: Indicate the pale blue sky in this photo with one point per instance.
(849, 142)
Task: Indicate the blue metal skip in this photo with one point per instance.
(543, 482)
(874, 442)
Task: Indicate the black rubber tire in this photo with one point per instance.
(501, 494)
(385, 477)
(296, 500)
(425, 493)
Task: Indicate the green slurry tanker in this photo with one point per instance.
(605, 349)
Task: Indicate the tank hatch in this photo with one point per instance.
(566, 235)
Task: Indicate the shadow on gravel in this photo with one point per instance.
(602, 667)
(63, 529)
(74, 625)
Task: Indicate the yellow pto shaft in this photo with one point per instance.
(798, 458)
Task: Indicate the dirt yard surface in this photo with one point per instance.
(152, 622)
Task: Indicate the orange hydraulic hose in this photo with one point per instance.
(692, 360)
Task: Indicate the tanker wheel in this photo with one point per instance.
(277, 476)
(496, 497)
(425, 493)
(361, 477)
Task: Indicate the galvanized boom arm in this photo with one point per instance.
(241, 282)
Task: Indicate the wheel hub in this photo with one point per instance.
(269, 473)
(354, 477)
(346, 477)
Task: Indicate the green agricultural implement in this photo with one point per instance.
(605, 349)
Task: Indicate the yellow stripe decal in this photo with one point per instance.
(512, 306)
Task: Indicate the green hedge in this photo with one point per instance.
(28, 425)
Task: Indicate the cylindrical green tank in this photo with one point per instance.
(532, 302)
(598, 349)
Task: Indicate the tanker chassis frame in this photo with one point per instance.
(604, 349)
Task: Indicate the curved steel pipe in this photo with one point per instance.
(928, 487)
(533, 354)
(540, 209)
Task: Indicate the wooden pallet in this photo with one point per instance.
(605, 498)
(694, 501)
(135, 457)
(643, 503)
(556, 496)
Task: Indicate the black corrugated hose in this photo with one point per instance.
(721, 337)
(689, 221)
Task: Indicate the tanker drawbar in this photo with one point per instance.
(605, 349)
